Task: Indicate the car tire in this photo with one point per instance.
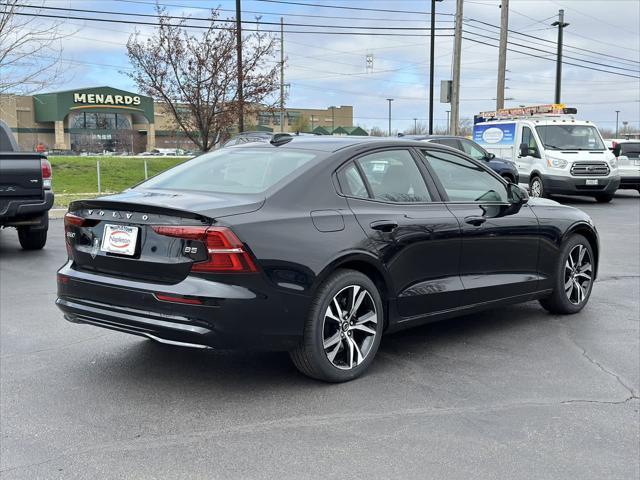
(31, 239)
(576, 265)
(604, 198)
(536, 187)
(508, 178)
(338, 346)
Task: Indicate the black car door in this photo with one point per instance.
(499, 255)
(417, 238)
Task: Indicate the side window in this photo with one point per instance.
(394, 177)
(473, 150)
(450, 142)
(463, 180)
(351, 182)
(530, 140)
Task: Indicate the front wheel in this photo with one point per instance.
(604, 198)
(536, 187)
(343, 331)
(574, 277)
(31, 239)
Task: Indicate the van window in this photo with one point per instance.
(530, 141)
(570, 137)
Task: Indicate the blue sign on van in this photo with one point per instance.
(497, 134)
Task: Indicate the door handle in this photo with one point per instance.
(476, 221)
(384, 225)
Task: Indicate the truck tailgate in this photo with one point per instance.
(20, 175)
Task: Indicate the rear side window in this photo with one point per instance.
(351, 182)
(394, 177)
(232, 170)
(473, 150)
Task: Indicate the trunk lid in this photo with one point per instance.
(115, 235)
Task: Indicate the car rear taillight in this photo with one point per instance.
(45, 166)
(225, 251)
(71, 221)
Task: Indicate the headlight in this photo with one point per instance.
(614, 163)
(556, 162)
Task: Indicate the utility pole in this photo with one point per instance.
(448, 127)
(239, 61)
(502, 55)
(617, 114)
(389, 100)
(560, 24)
(415, 125)
(282, 74)
(432, 47)
(455, 86)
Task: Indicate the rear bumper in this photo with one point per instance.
(24, 211)
(577, 185)
(630, 182)
(254, 317)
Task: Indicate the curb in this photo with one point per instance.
(56, 213)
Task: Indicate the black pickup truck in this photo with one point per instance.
(25, 191)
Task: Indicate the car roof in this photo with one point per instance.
(430, 137)
(327, 143)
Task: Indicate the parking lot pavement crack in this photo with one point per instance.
(603, 402)
(616, 277)
(606, 370)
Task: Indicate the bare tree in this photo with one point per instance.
(196, 75)
(418, 128)
(377, 132)
(30, 49)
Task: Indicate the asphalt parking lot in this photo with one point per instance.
(510, 393)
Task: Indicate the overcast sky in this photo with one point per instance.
(325, 70)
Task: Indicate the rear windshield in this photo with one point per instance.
(570, 137)
(232, 170)
(631, 150)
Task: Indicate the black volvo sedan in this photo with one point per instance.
(319, 247)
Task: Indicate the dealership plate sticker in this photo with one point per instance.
(119, 239)
(592, 181)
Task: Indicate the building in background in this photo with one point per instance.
(102, 119)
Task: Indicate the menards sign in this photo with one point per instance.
(105, 99)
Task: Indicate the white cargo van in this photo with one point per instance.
(554, 152)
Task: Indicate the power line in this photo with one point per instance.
(131, 22)
(343, 7)
(279, 14)
(549, 41)
(553, 53)
(553, 59)
(223, 20)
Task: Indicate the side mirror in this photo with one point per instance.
(524, 150)
(491, 156)
(517, 195)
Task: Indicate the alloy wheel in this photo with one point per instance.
(578, 273)
(349, 327)
(536, 188)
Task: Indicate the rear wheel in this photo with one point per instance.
(31, 239)
(343, 331)
(536, 187)
(604, 198)
(574, 278)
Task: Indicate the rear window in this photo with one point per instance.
(631, 150)
(232, 170)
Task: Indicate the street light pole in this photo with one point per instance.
(561, 25)
(239, 61)
(617, 114)
(448, 127)
(389, 100)
(415, 125)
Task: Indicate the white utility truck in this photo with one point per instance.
(554, 152)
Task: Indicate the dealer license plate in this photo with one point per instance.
(119, 239)
(593, 181)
